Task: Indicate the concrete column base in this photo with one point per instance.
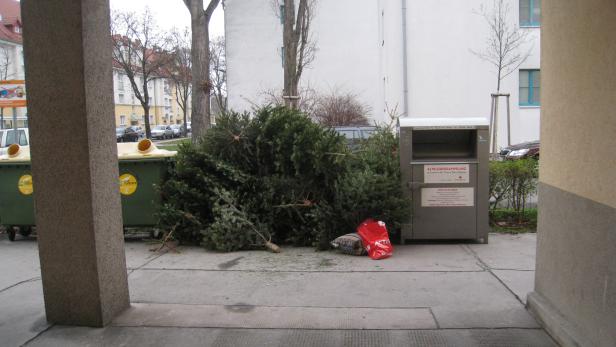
(561, 330)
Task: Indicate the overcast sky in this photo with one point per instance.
(171, 13)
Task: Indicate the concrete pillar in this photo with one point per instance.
(575, 286)
(74, 160)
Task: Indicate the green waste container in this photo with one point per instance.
(142, 167)
(16, 203)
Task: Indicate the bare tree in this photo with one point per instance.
(307, 101)
(5, 61)
(337, 109)
(180, 71)
(505, 42)
(138, 49)
(299, 46)
(201, 84)
(218, 72)
(505, 51)
(333, 109)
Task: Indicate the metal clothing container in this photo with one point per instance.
(444, 168)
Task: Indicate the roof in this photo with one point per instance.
(10, 10)
(443, 122)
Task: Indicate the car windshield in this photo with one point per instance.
(367, 133)
(160, 127)
(119, 130)
(349, 134)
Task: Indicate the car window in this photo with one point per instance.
(23, 140)
(349, 134)
(10, 137)
(366, 133)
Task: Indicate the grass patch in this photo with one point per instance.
(508, 221)
(172, 145)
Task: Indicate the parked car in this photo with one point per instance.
(521, 151)
(161, 132)
(126, 135)
(354, 135)
(187, 126)
(139, 130)
(177, 130)
(9, 137)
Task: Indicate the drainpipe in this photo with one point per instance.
(405, 68)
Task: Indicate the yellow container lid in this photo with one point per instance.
(142, 150)
(15, 153)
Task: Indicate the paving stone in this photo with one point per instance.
(246, 316)
(519, 282)
(22, 313)
(508, 252)
(18, 261)
(458, 299)
(188, 337)
(406, 258)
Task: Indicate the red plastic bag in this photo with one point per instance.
(375, 239)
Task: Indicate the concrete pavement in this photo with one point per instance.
(425, 295)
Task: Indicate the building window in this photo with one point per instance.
(530, 87)
(122, 120)
(121, 98)
(530, 13)
(282, 14)
(120, 82)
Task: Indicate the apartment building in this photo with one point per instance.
(164, 108)
(11, 57)
(411, 58)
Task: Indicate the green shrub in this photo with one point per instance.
(280, 175)
(513, 182)
(371, 188)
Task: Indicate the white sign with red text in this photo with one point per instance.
(447, 197)
(446, 173)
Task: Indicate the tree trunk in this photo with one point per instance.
(200, 54)
(185, 128)
(146, 116)
(1, 117)
(290, 92)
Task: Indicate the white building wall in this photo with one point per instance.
(347, 58)
(253, 41)
(391, 58)
(360, 50)
(447, 79)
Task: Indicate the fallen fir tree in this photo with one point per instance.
(279, 178)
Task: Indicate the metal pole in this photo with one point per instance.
(495, 142)
(491, 131)
(15, 121)
(508, 123)
(405, 68)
